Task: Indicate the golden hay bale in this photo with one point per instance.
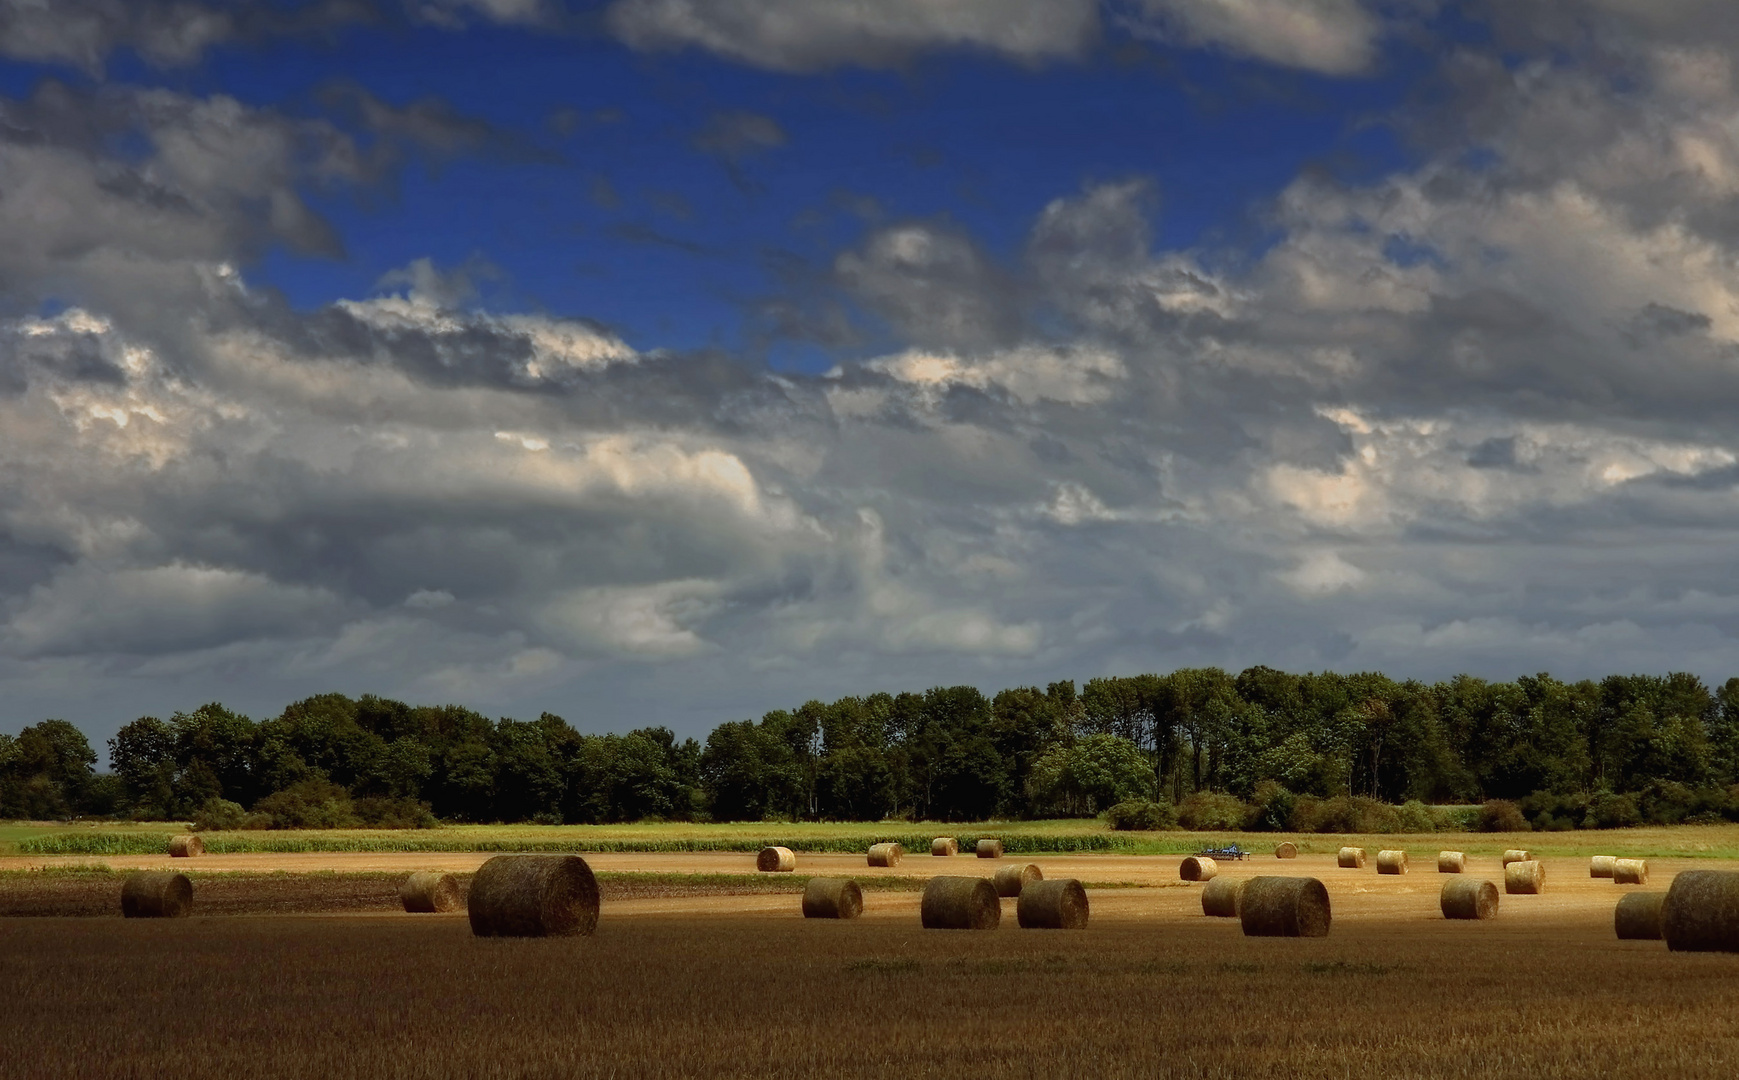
(156, 894)
(1517, 855)
(1221, 897)
(1287, 850)
(534, 896)
(1630, 872)
(1284, 907)
(1351, 858)
(776, 860)
(1638, 916)
(1010, 880)
(186, 846)
(1701, 913)
(1468, 898)
(960, 903)
(832, 898)
(428, 891)
(1451, 862)
(1052, 905)
(1524, 878)
(1197, 868)
(1391, 862)
(1600, 866)
(990, 849)
(944, 845)
(886, 854)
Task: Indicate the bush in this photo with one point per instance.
(1342, 814)
(1141, 814)
(218, 814)
(1552, 812)
(1415, 817)
(1501, 815)
(1610, 810)
(1274, 806)
(314, 803)
(1207, 811)
(377, 812)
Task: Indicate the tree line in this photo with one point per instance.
(1257, 748)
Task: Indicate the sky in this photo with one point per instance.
(670, 361)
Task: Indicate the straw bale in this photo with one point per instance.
(156, 894)
(776, 860)
(960, 903)
(186, 846)
(1391, 862)
(944, 845)
(1701, 913)
(886, 854)
(1221, 897)
(1630, 872)
(1010, 880)
(1287, 850)
(1468, 898)
(832, 898)
(1351, 858)
(1060, 904)
(1600, 866)
(1524, 878)
(990, 849)
(1638, 916)
(533, 896)
(1451, 862)
(1284, 907)
(1197, 868)
(428, 891)
(1517, 855)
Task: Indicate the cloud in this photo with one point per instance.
(1329, 37)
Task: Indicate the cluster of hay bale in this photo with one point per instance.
(832, 898)
(1223, 896)
(1012, 880)
(156, 894)
(960, 903)
(944, 845)
(534, 896)
(1630, 872)
(1701, 912)
(1197, 868)
(1451, 862)
(186, 846)
(776, 860)
(1351, 858)
(1391, 862)
(886, 854)
(1052, 905)
(1637, 917)
(1286, 850)
(1468, 898)
(989, 848)
(1524, 877)
(1284, 907)
(427, 892)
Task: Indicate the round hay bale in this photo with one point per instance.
(1287, 850)
(1284, 907)
(1525, 878)
(1638, 916)
(944, 845)
(1221, 897)
(886, 854)
(1517, 855)
(1451, 862)
(832, 898)
(427, 891)
(1469, 898)
(1701, 913)
(776, 860)
(1010, 880)
(1351, 858)
(156, 894)
(1600, 866)
(960, 903)
(533, 896)
(186, 846)
(1391, 862)
(1197, 868)
(989, 849)
(1052, 905)
(1630, 872)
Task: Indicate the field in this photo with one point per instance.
(700, 967)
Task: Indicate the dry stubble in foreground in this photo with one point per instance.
(419, 997)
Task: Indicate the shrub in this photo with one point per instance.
(1213, 810)
(1501, 815)
(314, 803)
(1342, 814)
(218, 814)
(1415, 817)
(378, 812)
(1274, 806)
(1141, 814)
(1610, 810)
